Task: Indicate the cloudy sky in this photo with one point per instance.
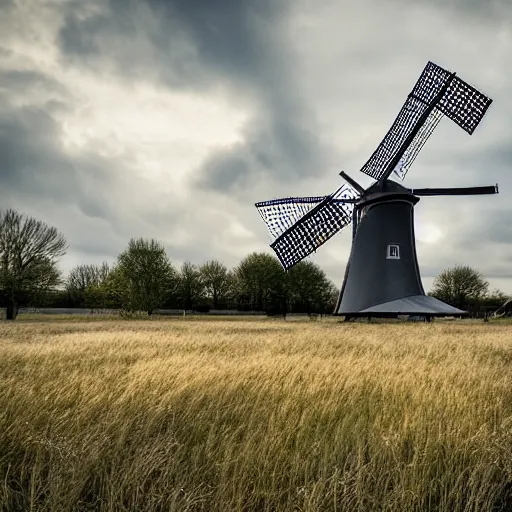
(171, 118)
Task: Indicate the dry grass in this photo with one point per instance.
(255, 415)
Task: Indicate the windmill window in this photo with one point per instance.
(393, 252)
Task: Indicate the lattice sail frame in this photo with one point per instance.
(417, 143)
(281, 214)
(302, 224)
(436, 93)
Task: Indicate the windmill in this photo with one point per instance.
(382, 276)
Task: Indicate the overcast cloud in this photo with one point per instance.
(170, 119)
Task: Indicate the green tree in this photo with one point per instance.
(56, 298)
(109, 293)
(191, 288)
(217, 282)
(261, 284)
(83, 277)
(461, 286)
(143, 276)
(309, 289)
(329, 298)
(28, 259)
(493, 301)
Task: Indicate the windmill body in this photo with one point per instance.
(382, 277)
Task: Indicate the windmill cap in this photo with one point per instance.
(387, 190)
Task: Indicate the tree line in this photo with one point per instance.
(144, 279)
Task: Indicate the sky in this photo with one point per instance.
(169, 119)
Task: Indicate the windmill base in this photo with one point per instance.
(418, 305)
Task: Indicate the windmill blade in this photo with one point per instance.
(455, 191)
(460, 102)
(315, 227)
(281, 214)
(436, 93)
(413, 149)
(312, 231)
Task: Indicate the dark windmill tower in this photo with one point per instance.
(382, 277)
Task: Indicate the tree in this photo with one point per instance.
(190, 286)
(83, 277)
(460, 286)
(492, 301)
(143, 277)
(108, 293)
(217, 282)
(309, 289)
(261, 284)
(28, 259)
(329, 298)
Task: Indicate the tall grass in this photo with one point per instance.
(255, 415)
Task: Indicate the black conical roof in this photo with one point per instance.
(387, 186)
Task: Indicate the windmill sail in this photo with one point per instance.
(436, 93)
(413, 149)
(301, 225)
(281, 214)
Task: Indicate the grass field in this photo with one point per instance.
(254, 415)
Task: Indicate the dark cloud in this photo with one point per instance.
(130, 39)
(23, 81)
(491, 227)
(197, 44)
(276, 147)
(226, 170)
(491, 9)
(492, 12)
(34, 162)
(463, 166)
(495, 160)
(230, 39)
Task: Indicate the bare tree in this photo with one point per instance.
(82, 277)
(28, 252)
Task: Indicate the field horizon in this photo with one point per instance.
(254, 414)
